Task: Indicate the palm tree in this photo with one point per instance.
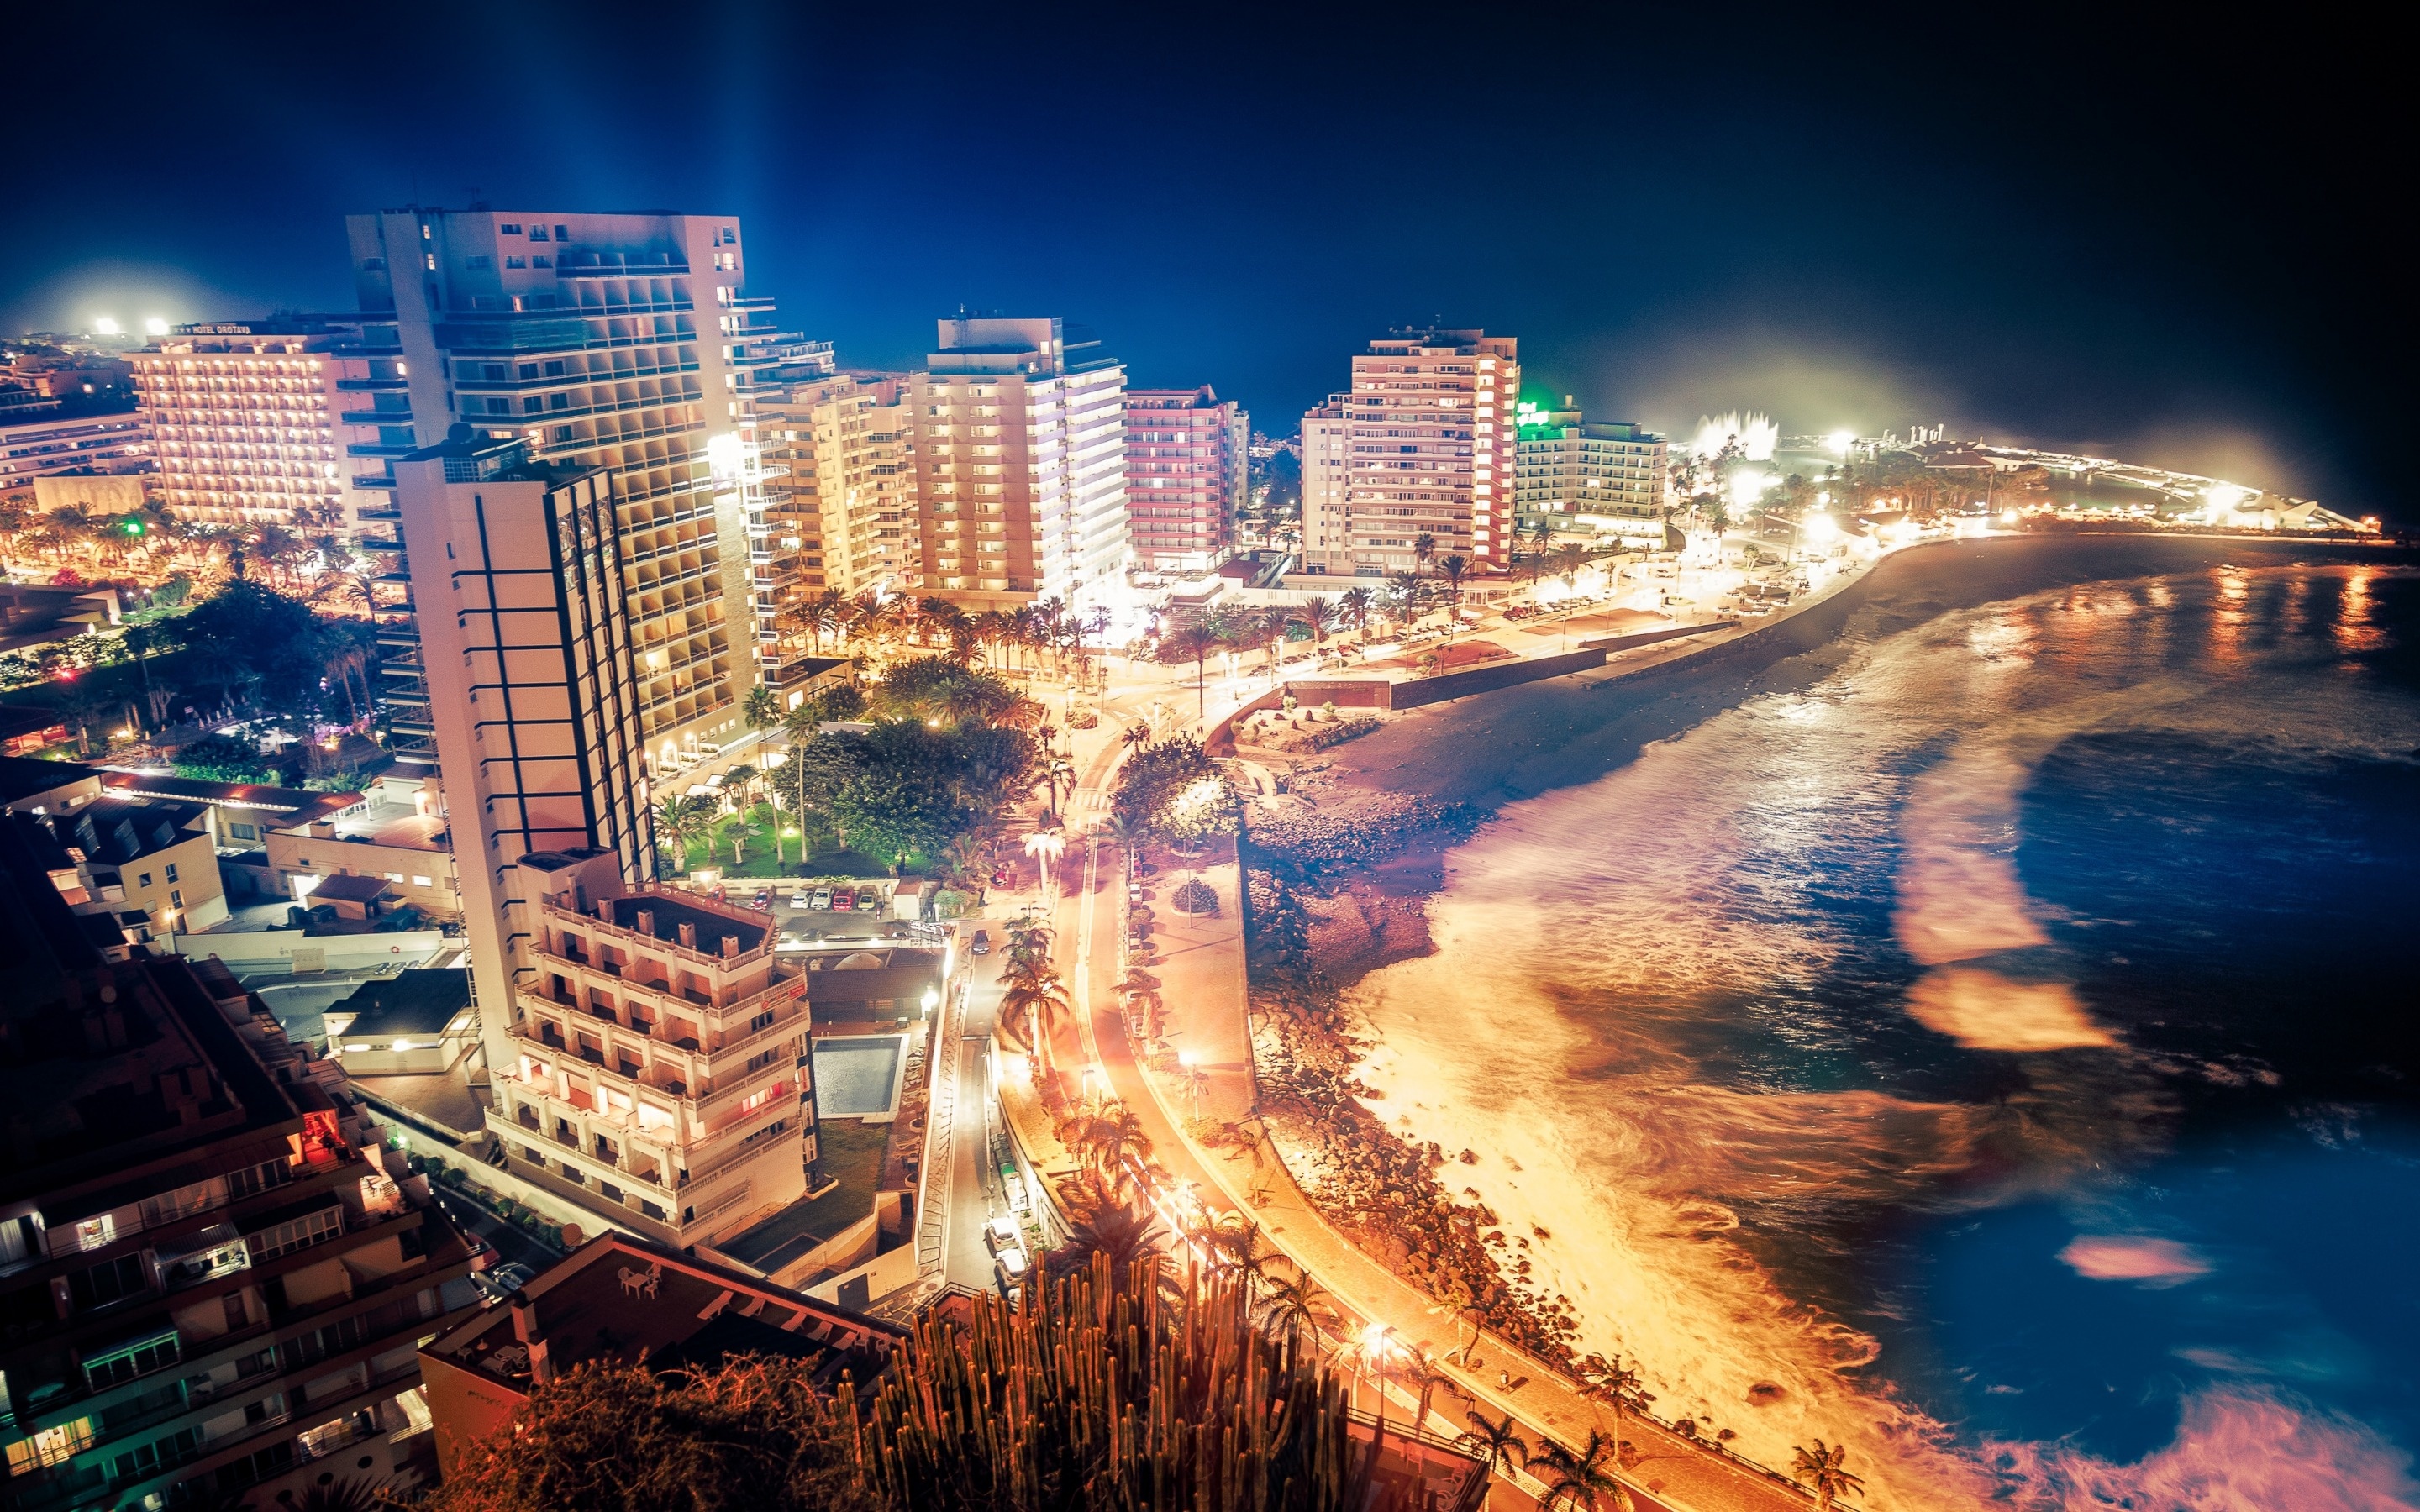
(1318, 615)
(683, 822)
(1127, 1236)
(1821, 1468)
(1110, 1135)
(1240, 1248)
(1586, 1480)
(760, 708)
(1424, 1372)
(1046, 846)
(1041, 1000)
(1423, 549)
(1353, 606)
(1612, 1383)
(1294, 1306)
(1194, 641)
(1496, 1441)
(1135, 736)
(1452, 567)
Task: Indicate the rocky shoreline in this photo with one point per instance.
(1336, 891)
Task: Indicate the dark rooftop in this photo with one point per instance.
(352, 890)
(421, 1001)
(279, 808)
(616, 1299)
(670, 914)
(21, 776)
(114, 832)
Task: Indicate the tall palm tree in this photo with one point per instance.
(1423, 550)
(1041, 1001)
(1318, 616)
(1821, 1469)
(1295, 1305)
(761, 707)
(682, 821)
(1585, 1480)
(1453, 566)
(1496, 1441)
(1353, 606)
(1194, 641)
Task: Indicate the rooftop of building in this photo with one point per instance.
(28, 777)
(255, 803)
(401, 825)
(421, 1001)
(665, 915)
(616, 1301)
(115, 831)
(346, 887)
(108, 1071)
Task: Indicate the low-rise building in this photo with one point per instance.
(616, 1302)
(416, 1023)
(658, 1055)
(209, 1280)
(154, 856)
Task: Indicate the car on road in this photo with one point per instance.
(1012, 1266)
(763, 901)
(982, 943)
(502, 1281)
(822, 898)
(1001, 1233)
(843, 900)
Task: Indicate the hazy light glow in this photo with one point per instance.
(1838, 442)
(1748, 485)
(154, 326)
(1755, 433)
(105, 326)
(1819, 529)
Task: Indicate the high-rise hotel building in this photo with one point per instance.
(1020, 456)
(286, 420)
(846, 513)
(646, 1054)
(1187, 470)
(627, 343)
(1430, 430)
(1602, 475)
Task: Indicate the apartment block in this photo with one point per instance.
(1188, 472)
(658, 1065)
(148, 862)
(211, 1282)
(1021, 450)
(532, 673)
(626, 343)
(34, 445)
(1326, 490)
(286, 420)
(849, 514)
(1430, 425)
(1578, 473)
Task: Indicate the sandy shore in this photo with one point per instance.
(1407, 793)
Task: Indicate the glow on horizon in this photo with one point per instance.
(1757, 435)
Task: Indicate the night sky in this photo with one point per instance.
(2171, 238)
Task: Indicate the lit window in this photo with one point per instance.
(424, 881)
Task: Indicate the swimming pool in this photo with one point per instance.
(856, 1076)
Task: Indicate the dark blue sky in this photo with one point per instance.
(2062, 227)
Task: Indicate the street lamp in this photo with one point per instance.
(932, 1000)
(1190, 1065)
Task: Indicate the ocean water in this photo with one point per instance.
(1997, 1050)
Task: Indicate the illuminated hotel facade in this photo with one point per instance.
(286, 420)
(626, 343)
(1429, 441)
(1021, 452)
(1186, 473)
(848, 516)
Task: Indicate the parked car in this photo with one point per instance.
(842, 901)
(502, 1282)
(982, 944)
(869, 899)
(823, 898)
(763, 901)
(1011, 1265)
(1001, 1233)
(801, 897)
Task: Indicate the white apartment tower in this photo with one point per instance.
(645, 1052)
(622, 341)
(1020, 456)
(1326, 488)
(1429, 427)
(851, 502)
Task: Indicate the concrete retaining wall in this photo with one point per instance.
(266, 949)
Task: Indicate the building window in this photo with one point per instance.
(127, 1361)
(474, 262)
(424, 881)
(172, 871)
(175, 897)
(244, 832)
(541, 260)
(511, 228)
(143, 879)
(517, 262)
(537, 233)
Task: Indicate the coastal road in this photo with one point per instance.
(1673, 1472)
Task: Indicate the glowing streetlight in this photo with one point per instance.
(154, 326)
(1046, 846)
(932, 1000)
(1838, 442)
(104, 326)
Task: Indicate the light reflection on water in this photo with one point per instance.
(1855, 1008)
